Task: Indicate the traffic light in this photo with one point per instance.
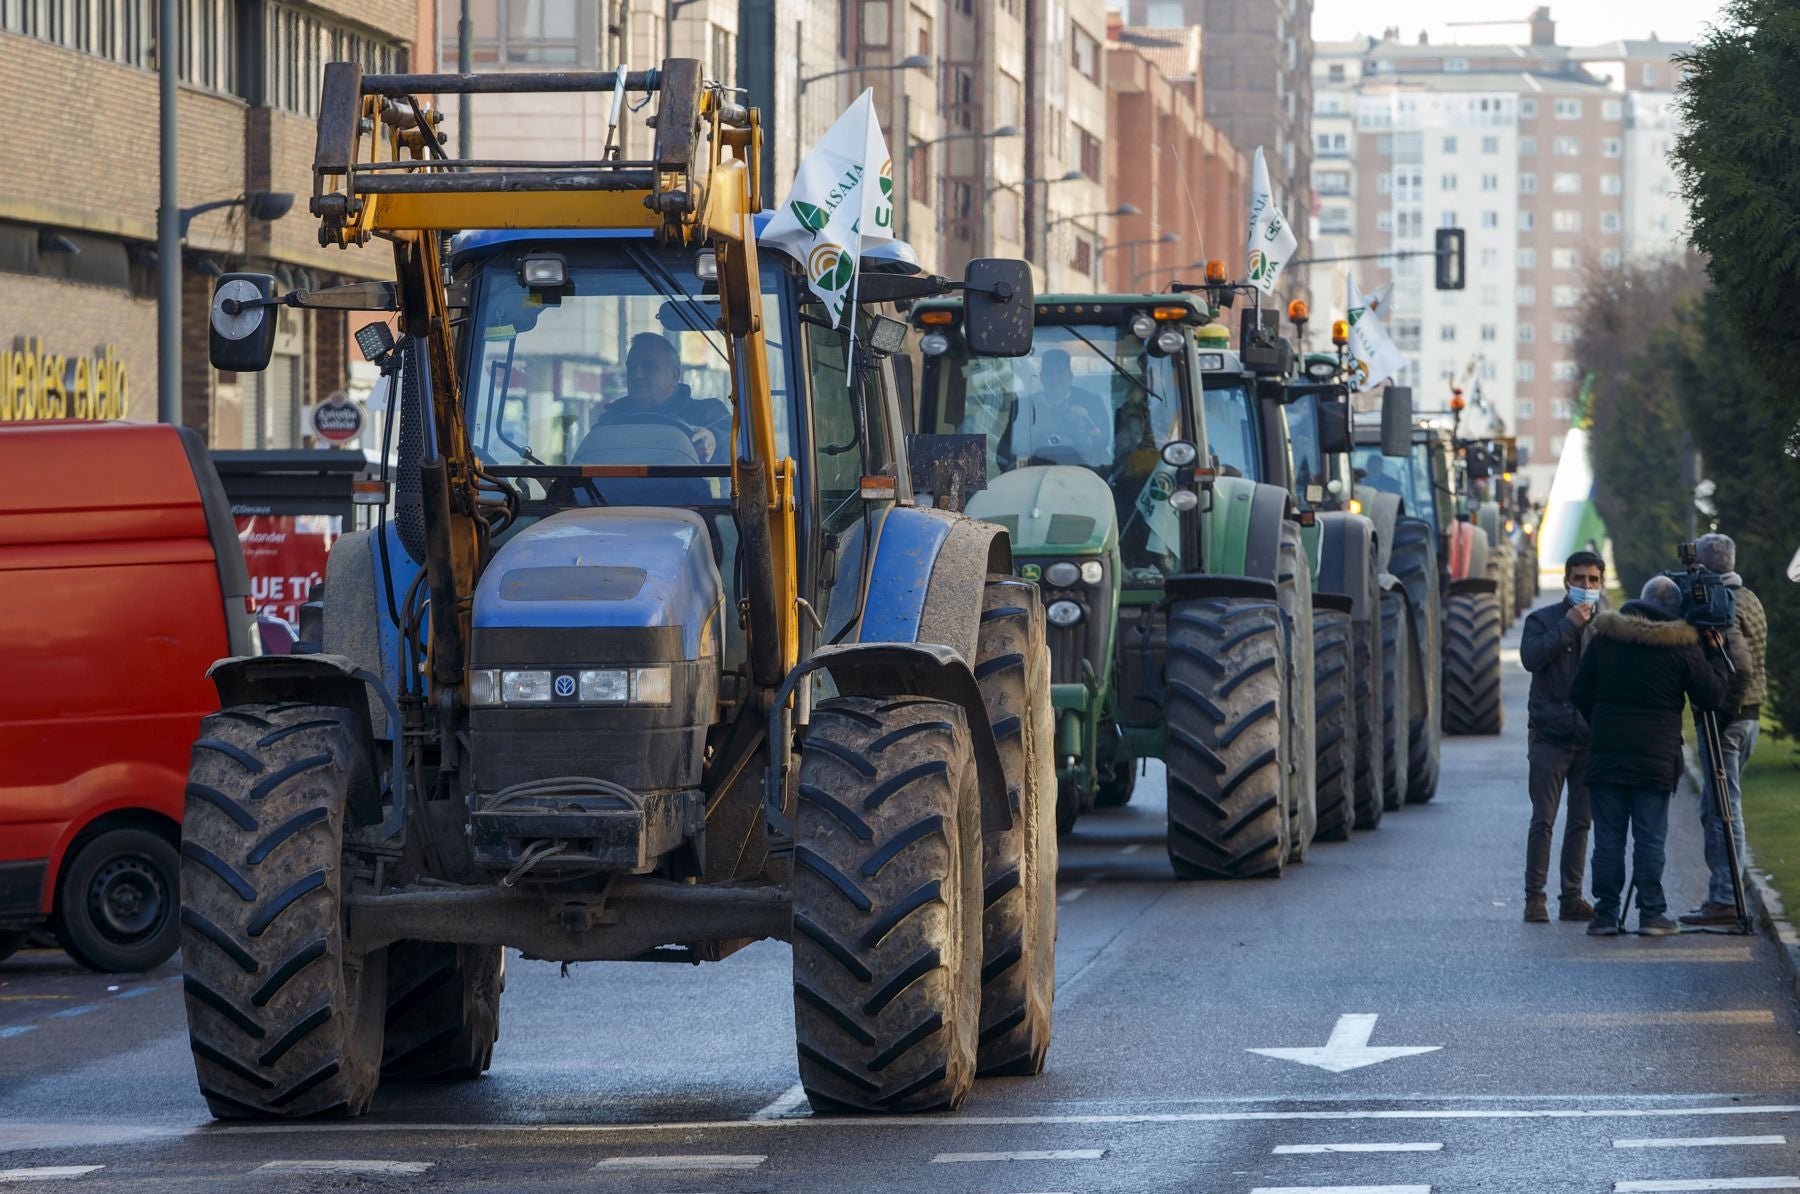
(1451, 253)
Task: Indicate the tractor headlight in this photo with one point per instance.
(1179, 453)
(1062, 574)
(1169, 341)
(1143, 325)
(1092, 572)
(1063, 613)
(544, 271)
(522, 687)
(651, 686)
(605, 686)
(1184, 499)
(934, 344)
(484, 686)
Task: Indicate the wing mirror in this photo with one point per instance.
(997, 307)
(242, 335)
(1334, 428)
(1396, 421)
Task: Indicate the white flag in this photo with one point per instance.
(1272, 242)
(841, 200)
(1375, 357)
(1378, 302)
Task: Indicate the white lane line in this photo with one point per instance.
(686, 1161)
(1727, 1017)
(1282, 1150)
(15, 1030)
(1711, 1183)
(1071, 895)
(1698, 1141)
(1342, 1190)
(790, 1101)
(1051, 1154)
(357, 1168)
(46, 1173)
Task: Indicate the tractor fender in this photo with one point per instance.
(916, 669)
(1487, 516)
(1346, 545)
(1383, 510)
(1474, 584)
(927, 577)
(1468, 550)
(1241, 529)
(1208, 584)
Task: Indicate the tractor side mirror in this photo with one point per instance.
(1396, 421)
(242, 338)
(997, 307)
(1334, 428)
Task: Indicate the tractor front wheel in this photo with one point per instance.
(1472, 664)
(1335, 749)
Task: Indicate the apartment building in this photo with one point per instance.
(78, 200)
(982, 74)
(1337, 80)
(1065, 137)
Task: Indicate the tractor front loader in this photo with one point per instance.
(655, 656)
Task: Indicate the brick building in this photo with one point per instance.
(78, 200)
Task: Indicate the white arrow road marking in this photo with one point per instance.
(1698, 1141)
(362, 1168)
(1711, 1183)
(1348, 1048)
(789, 1103)
(46, 1173)
(1282, 1150)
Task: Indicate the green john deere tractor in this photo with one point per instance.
(1173, 579)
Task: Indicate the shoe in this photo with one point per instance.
(1657, 926)
(1710, 913)
(1574, 908)
(1537, 911)
(1603, 926)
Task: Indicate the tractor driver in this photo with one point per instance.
(653, 386)
(1378, 478)
(1060, 416)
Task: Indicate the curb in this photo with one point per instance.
(1765, 903)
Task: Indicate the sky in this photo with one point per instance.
(1578, 22)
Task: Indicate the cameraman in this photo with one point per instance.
(1643, 665)
(1551, 648)
(1749, 640)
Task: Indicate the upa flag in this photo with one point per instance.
(1375, 357)
(1272, 242)
(841, 200)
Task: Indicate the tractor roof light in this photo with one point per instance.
(1340, 332)
(934, 344)
(1297, 311)
(1215, 270)
(1172, 311)
(1184, 499)
(1169, 341)
(1143, 326)
(706, 265)
(938, 317)
(543, 271)
(1456, 401)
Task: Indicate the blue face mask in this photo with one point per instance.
(1585, 596)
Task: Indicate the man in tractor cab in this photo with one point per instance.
(1378, 478)
(653, 388)
(1064, 423)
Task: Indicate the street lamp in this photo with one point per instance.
(172, 228)
(1124, 209)
(1157, 269)
(1167, 238)
(910, 62)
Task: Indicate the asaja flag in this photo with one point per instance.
(1375, 358)
(841, 200)
(1272, 242)
(1378, 302)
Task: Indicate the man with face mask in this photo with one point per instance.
(1551, 648)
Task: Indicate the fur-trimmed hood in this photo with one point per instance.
(1646, 626)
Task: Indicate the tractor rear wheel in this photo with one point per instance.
(1294, 590)
(1367, 806)
(1397, 662)
(1333, 732)
(443, 1010)
(1472, 664)
(283, 1019)
(1227, 710)
(1018, 968)
(887, 906)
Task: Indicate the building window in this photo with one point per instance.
(724, 55)
(1490, 219)
(1556, 446)
(1611, 184)
(1565, 296)
(1527, 184)
(1384, 221)
(1081, 256)
(1527, 147)
(1610, 259)
(1562, 408)
(1449, 219)
(1612, 147)
(1568, 147)
(1525, 296)
(1525, 371)
(1490, 182)
(1009, 96)
(1447, 182)
(1406, 334)
(1565, 258)
(1490, 145)
(1335, 72)
(875, 20)
(1334, 220)
(1447, 333)
(1527, 221)
(1565, 220)
(1412, 224)
(1562, 371)
(1564, 333)
(527, 31)
(1610, 222)
(1456, 66)
(1566, 184)
(1568, 109)
(1384, 146)
(1649, 75)
(1527, 259)
(1489, 333)
(1449, 144)
(1612, 110)
(1091, 163)
(1527, 333)
(1490, 259)
(1527, 109)
(1384, 183)
(297, 45)
(1084, 56)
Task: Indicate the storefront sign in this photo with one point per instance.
(337, 420)
(38, 384)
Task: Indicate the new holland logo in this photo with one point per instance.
(829, 267)
(565, 686)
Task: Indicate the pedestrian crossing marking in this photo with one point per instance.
(46, 1173)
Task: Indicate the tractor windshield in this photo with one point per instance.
(1091, 395)
(621, 365)
(1303, 434)
(1231, 433)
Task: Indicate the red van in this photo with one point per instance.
(121, 581)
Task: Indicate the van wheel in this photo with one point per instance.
(284, 1018)
(116, 902)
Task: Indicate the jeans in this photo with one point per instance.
(1736, 741)
(1645, 812)
(1551, 766)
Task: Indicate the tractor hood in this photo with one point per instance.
(1051, 509)
(618, 567)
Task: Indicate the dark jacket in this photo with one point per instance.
(1640, 669)
(1551, 650)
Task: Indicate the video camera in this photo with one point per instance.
(1707, 603)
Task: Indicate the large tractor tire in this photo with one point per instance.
(1335, 748)
(117, 900)
(1500, 571)
(1472, 664)
(1226, 708)
(443, 1010)
(1367, 806)
(283, 1019)
(1397, 660)
(887, 906)
(1118, 780)
(1294, 591)
(1018, 966)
